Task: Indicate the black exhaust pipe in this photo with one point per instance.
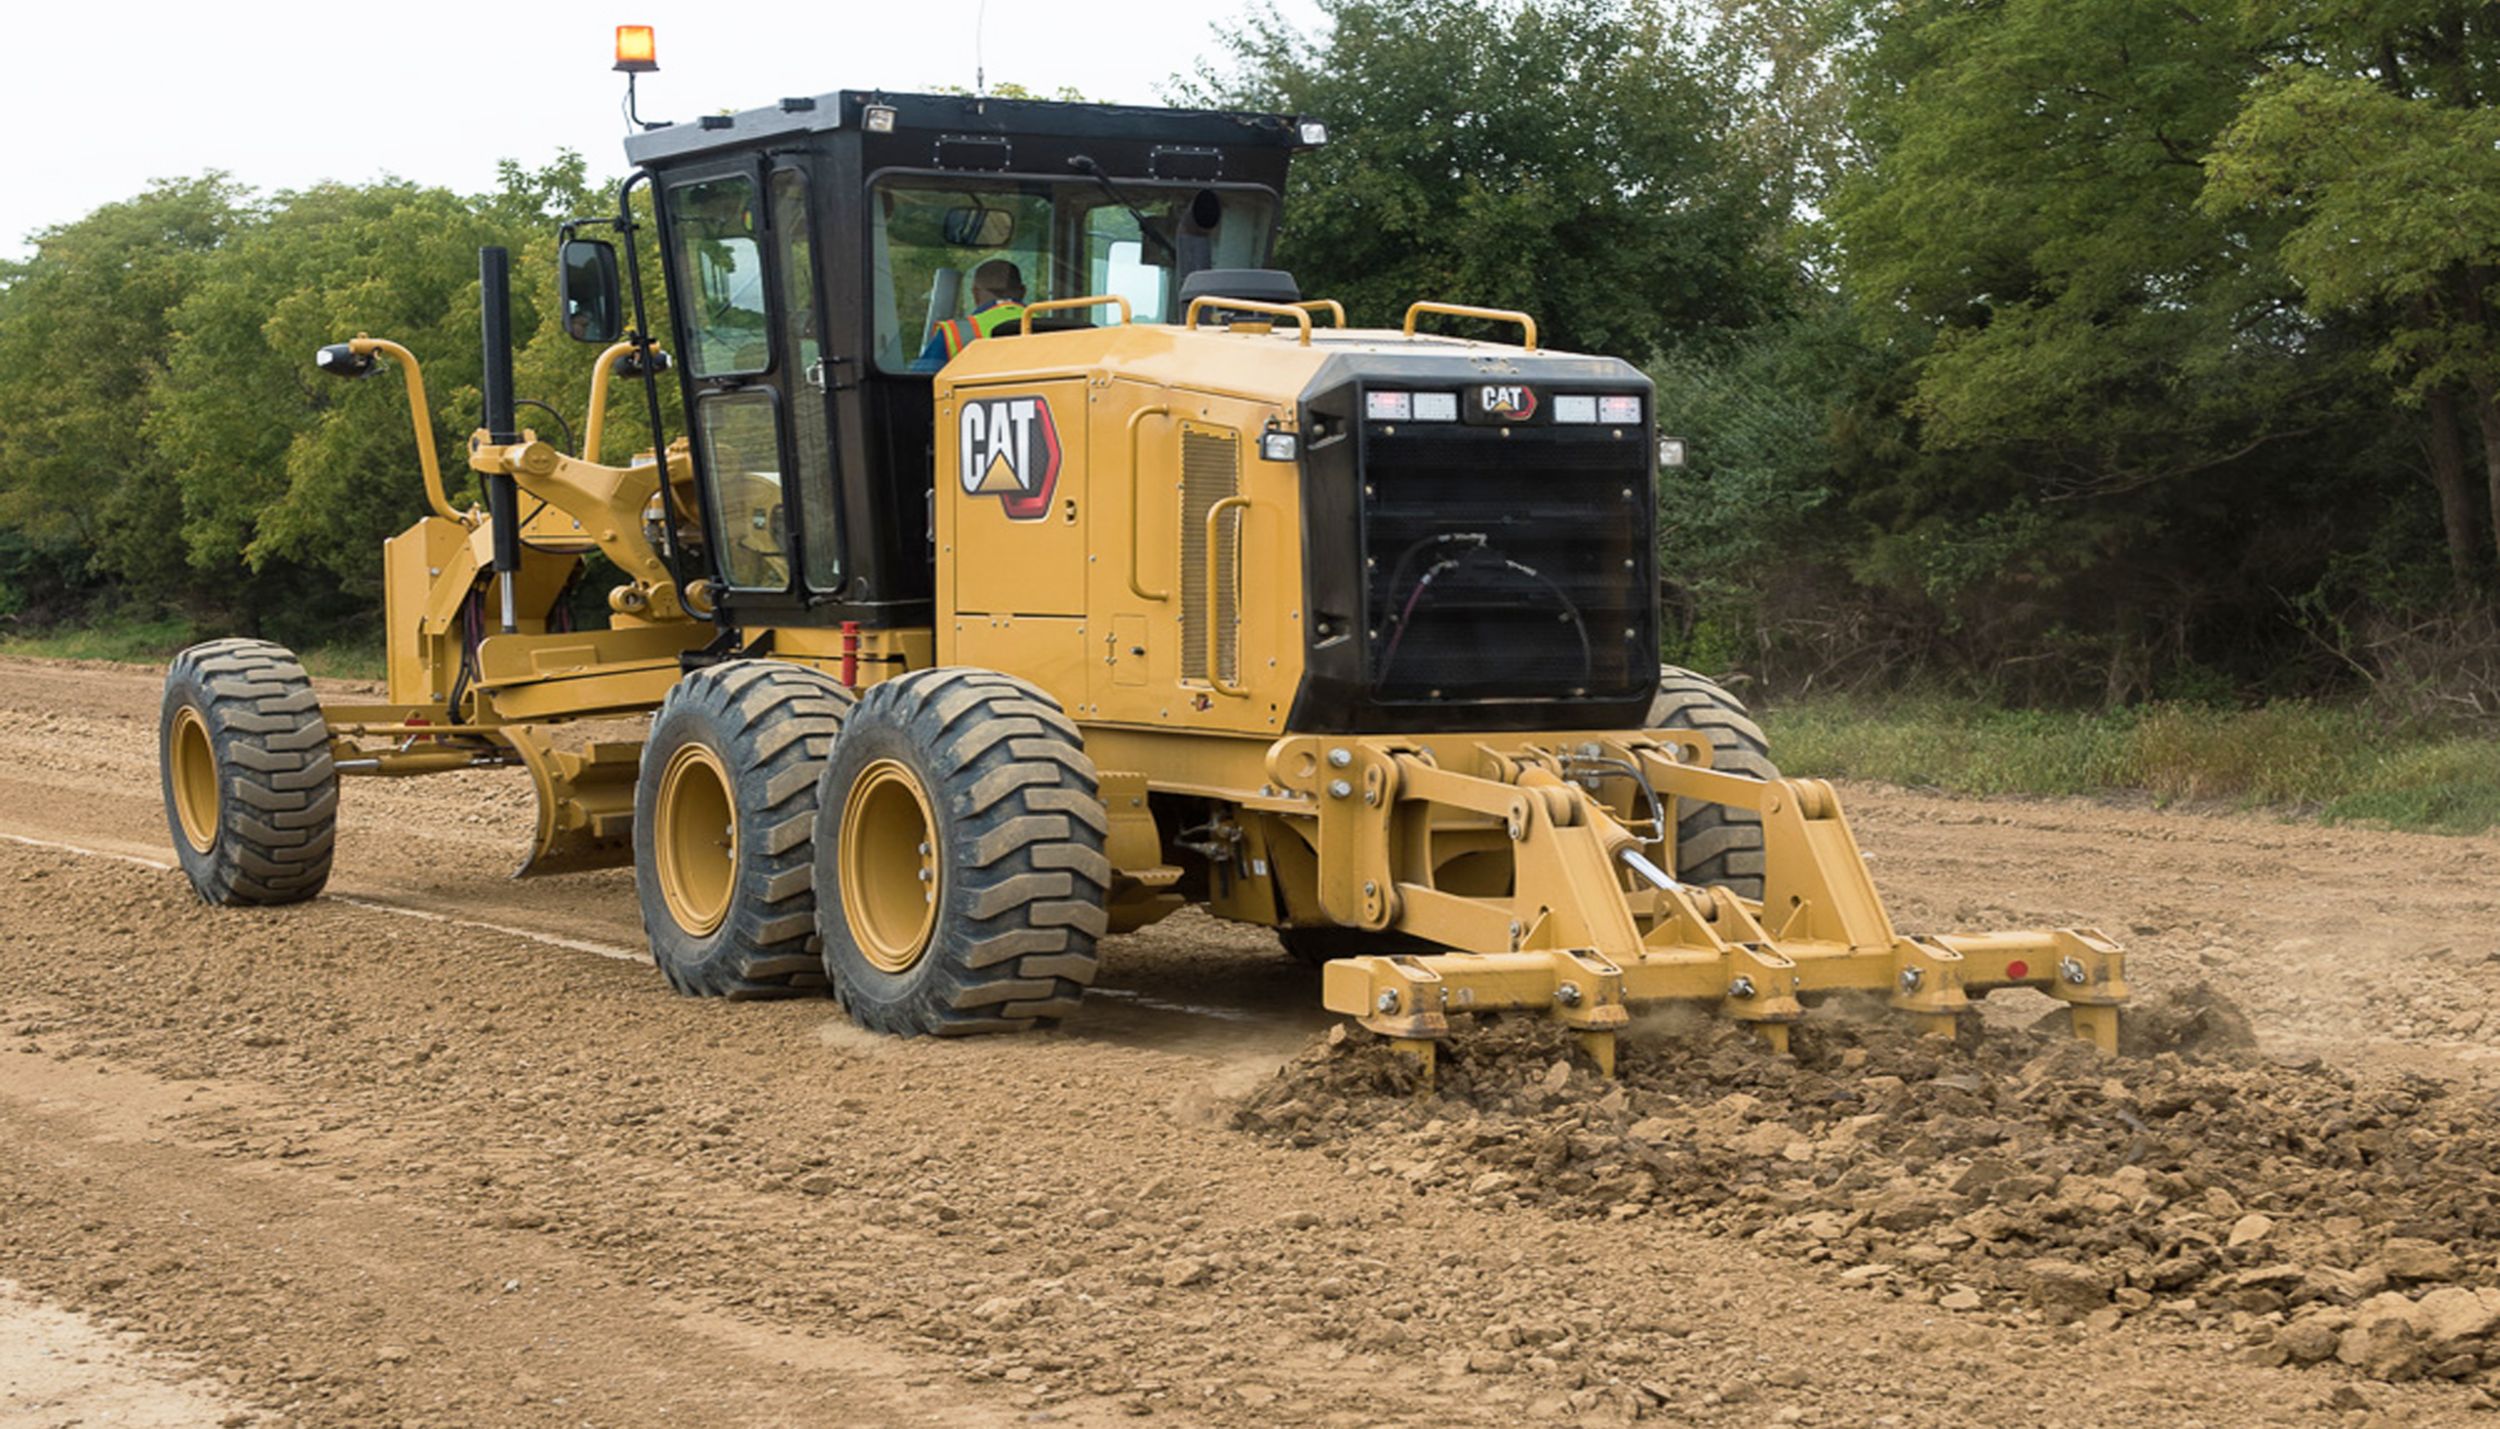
(503, 499)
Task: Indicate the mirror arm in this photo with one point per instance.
(418, 413)
(595, 424)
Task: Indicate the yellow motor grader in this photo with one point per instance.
(1174, 590)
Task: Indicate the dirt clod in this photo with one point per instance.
(2354, 1218)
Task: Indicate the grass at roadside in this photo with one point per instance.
(153, 642)
(2335, 763)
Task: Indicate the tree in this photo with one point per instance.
(280, 465)
(2376, 139)
(2118, 419)
(1571, 161)
(84, 329)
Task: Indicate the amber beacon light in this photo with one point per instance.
(636, 51)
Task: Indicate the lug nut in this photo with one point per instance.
(1387, 1002)
(1340, 758)
(1741, 987)
(1568, 994)
(1911, 978)
(1339, 789)
(2072, 970)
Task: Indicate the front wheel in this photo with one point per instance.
(724, 816)
(1715, 844)
(251, 794)
(959, 865)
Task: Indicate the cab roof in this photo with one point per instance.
(938, 119)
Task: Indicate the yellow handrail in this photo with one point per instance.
(1057, 305)
(1244, 305)
(418, 412)
(1334, 308)
(1215, 633)
(1136, 503)
(1457, 310)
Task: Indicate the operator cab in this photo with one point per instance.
(811, 248)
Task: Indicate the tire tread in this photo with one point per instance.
(1714, 844)
(277, 804)
(1026, 876)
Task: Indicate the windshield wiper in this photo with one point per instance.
(1084, 164)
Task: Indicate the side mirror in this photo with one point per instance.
(979, 227)
(593, 311)
(340, 359)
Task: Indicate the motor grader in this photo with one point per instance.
(1176, 591)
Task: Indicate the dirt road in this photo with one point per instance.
(441, 1148)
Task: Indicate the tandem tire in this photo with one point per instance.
(251, 795)
(724, 817)
(1715, 844)
(960, 868)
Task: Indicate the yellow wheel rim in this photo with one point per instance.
(194, 763)
(697, 839)
(889, 866)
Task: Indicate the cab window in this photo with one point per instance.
(1065, 236)
(713, 228)
(741, 436)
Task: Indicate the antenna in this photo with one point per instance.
(980, 71)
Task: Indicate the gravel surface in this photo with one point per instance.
(439, 1150)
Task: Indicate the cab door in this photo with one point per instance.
(807, 378)
(742, 268)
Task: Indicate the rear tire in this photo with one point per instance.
(960, 861)
(1715, 844)
(724, 821)
(251, 795)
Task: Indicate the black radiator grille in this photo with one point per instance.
(1506, 567)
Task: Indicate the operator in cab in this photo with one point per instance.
(997, 301)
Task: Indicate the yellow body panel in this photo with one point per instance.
(1107, 528)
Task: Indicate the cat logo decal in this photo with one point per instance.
(1008, 447)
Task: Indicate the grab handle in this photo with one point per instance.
(1244, 305)
(1215, 608)
(1456, 310)
(1061, 305)
(1136, 504)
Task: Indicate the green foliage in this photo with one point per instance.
(278, 463)
(2394, 199)
(2335, 763)
(165, 442)
(154, 640)
(1571, 161)
(85, 324)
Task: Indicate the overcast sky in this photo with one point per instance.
(97, 97)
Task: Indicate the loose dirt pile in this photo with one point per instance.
(2019, 1175)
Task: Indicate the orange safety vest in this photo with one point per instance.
(962, 331)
